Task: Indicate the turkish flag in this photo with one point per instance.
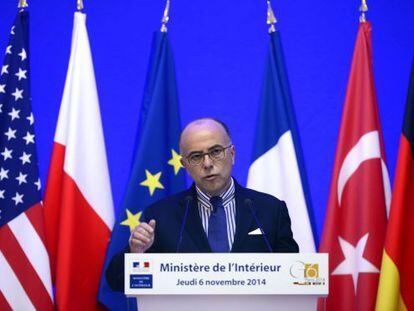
(360, 192)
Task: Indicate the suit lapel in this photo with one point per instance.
(243, 219)
(193, 225)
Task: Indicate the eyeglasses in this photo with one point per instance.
(216, 153)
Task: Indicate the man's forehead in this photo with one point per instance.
(203, 135)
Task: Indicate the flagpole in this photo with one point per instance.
(22, 4)
(80, 5)
(271, 19)
(165, 17)
(363, 9)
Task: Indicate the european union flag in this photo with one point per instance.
(156, 168)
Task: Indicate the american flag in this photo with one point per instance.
(25, 282)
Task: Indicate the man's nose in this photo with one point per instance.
(207, 162)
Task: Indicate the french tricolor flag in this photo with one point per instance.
(277, 167)
(78, 201)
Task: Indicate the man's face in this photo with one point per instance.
(211, 176)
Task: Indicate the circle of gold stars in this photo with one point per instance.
(152, 181)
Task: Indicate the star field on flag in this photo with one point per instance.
(18, 158)
(24, 261)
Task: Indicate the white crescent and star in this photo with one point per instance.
(354, 262)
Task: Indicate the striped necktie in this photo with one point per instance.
(217, 227)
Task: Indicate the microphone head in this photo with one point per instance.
(188, 199)
(249, 203)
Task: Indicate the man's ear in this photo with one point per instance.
(183, 163)
(233, 153)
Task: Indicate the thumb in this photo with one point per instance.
(152, 223)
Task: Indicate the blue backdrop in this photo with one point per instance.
(220, 49)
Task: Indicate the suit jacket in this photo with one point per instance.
(169, 215)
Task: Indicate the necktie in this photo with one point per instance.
(217, 227)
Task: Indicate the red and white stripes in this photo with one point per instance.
(24, 269)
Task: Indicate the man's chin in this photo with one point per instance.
(212, 190)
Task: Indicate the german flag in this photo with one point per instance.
(396, 287)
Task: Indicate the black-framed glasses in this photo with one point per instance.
(215, 153)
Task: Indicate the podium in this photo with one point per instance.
(226, 281)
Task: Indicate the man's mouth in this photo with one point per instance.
(210, 177)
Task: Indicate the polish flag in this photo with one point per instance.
(360, 193)
(78, 200)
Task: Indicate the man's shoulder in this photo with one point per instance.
(257, 196)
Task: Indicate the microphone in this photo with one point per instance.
(188, 199)
(252, 209)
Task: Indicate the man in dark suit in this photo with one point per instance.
(215, 214)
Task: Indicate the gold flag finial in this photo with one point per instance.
(80, 5)
(271, 19)
(22, 4)
(165, 17)
(363, 9)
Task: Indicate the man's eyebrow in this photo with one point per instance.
(215, 146)
(199, 151)
(193, 152)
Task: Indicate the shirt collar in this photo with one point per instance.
(227, 195)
